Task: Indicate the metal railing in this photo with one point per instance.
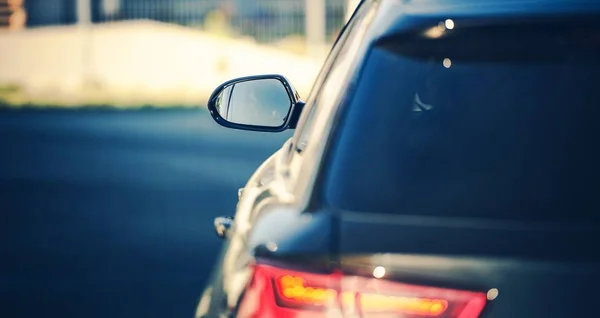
(267, 21)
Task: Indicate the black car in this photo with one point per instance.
(443, 166)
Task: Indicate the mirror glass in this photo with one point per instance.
(258, 102)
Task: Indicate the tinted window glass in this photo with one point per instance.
(495, 123)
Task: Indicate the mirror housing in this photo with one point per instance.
(223, 225)
(234, 104)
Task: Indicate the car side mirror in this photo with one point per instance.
(223, 225)
(260, 103)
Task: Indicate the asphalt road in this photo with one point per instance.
(109, 213)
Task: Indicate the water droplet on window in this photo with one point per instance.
(271, 246)
(492, 294)
(379, 272)
(447, 63)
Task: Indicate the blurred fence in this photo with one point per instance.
(267, 21)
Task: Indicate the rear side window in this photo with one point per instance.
(500, 123)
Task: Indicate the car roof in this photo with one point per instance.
(493, 7)
(397, 16)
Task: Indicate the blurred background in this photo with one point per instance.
(111, 170)
(158, 52)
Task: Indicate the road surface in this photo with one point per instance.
(109, 213)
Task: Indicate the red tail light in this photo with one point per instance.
(282, 293)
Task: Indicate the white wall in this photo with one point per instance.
(139, 60)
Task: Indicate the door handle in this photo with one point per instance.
(223, 225)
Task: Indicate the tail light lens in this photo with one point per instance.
(277, 292)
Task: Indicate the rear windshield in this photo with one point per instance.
(495, 123)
